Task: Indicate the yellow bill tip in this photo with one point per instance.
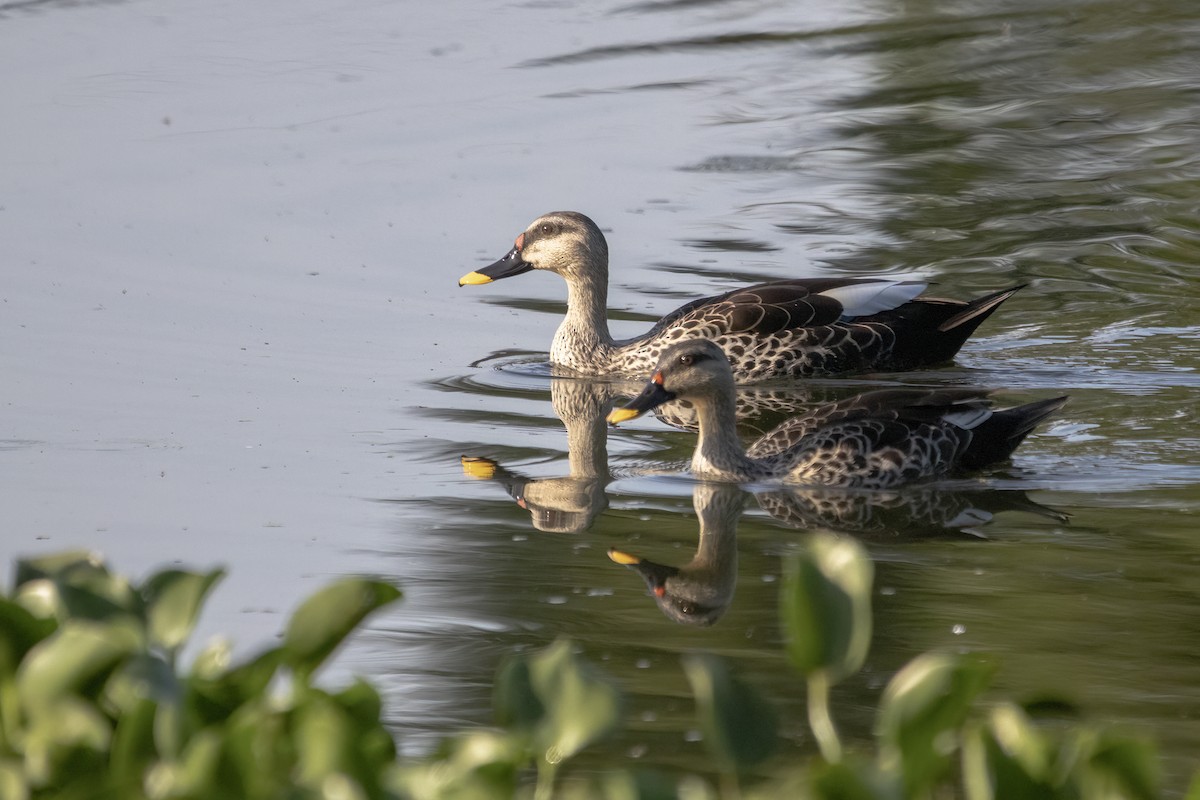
(621, 557)
(473, 279)
(620, 415)
(483, 468)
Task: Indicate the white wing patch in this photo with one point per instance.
(865, 299)
(969, 417)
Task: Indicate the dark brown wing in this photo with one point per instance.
(902, 405)
(764, 308)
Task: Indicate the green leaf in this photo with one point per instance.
(55, 564)
(69, 740)
(326, 618)
(1121, 766)
(584, 706)
(74, 585)
(559, 702)
(214, 692)
(145, 677)
(173, 601)
(133, 749)
(325, 739)
(75, 659)
(851, 779)
(921, 712)
(825, 607)
(260, 750)
(628, 784)
(19, 631)
(1008, 757)
(514, 700)
(740, 727)
(196, 774)
(13, 782)
(475, 766)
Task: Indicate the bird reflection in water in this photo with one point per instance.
(566, 504)
(699, 592)
(569, 504)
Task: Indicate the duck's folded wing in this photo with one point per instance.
(914, 405)
(873, 453)
(779, 306)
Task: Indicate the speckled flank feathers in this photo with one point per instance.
(875, 440)
(790, 328)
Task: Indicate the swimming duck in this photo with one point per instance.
(788, 328)
(874, 440)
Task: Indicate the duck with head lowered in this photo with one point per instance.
(875, 440)
(786, 328)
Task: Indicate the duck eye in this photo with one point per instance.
(546, 228)
(686, 360)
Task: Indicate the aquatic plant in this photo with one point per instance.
(94, 704)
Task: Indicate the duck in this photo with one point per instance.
(782, 329)
(875, 440)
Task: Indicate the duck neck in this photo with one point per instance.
(583, 342)
(719, 451)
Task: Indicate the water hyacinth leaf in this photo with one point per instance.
(361, 701)
(55, 564)
(740, 727)
(921, 712)
(1121, 766)
(582, 706)
(478, 765)
(631, 785)
(133, 749)
(78, 655)
(515, 702)
(173, 601)
(215, 694)
(326, 618)
(258, 750)
(1007, 757)
(363, 705)
(324, 739)
(102, 598)
(850, 779)
(197, 772)
(14, 784)
(825, 606)
(142, 677)
(20, 630)
(69, 739)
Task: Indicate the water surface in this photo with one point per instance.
(231, 334)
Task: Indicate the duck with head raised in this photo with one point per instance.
(787, 328)
(875, 440)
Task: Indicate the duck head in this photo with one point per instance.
(565, 242)
(693, 369)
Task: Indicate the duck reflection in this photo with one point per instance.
(925, 511)
(700, 591)
(569, 504)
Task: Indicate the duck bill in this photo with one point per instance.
(511, 264)
(653, 396)
(655, 575)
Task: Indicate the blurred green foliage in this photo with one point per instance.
(93, 705)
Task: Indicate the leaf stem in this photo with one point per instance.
(546, 771)
(819, 718)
